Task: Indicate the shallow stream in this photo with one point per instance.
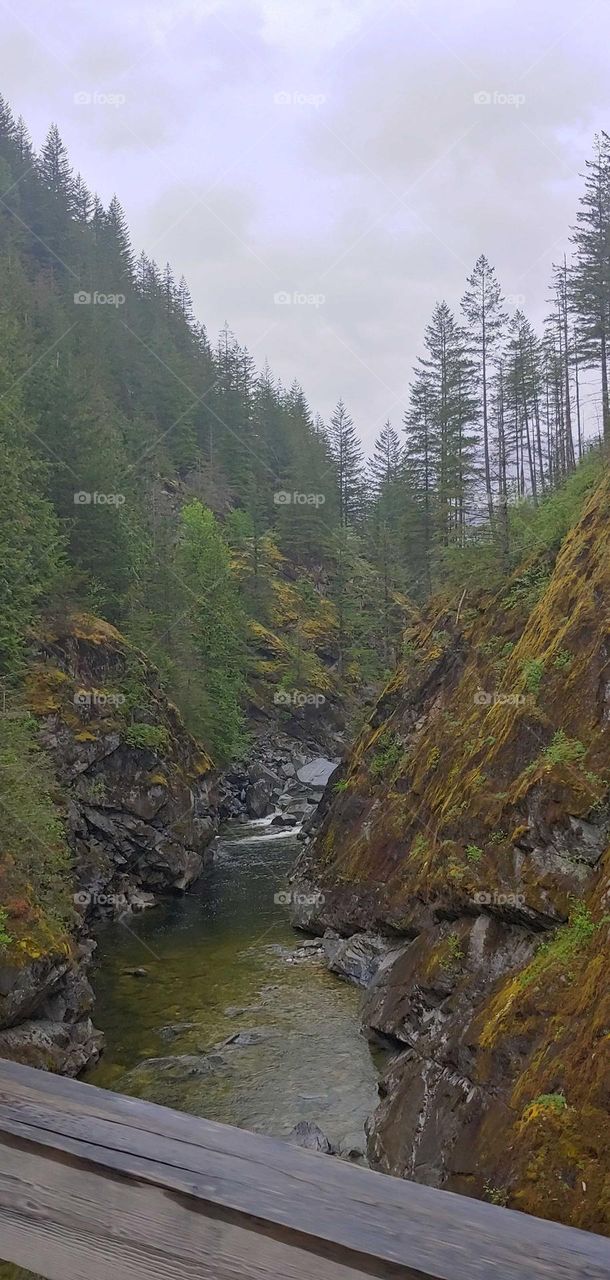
(219, 961)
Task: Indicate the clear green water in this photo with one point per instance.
(225, 944)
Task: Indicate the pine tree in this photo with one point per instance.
(217, 627)
(346, 452)
(590, 280)
(483, 307)
(523, 383)
(386, 463)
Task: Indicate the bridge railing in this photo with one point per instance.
(97, 1186)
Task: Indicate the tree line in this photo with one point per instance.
(142, 462)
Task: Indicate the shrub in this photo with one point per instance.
(474, 853)
(532, 672)
(387, 755)
(546, 1102)
(568, 940)
(147, 737)
(527, 589)
(564, 750)
(453, 952)
(5, 937)
(37, 863)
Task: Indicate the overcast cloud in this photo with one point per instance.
(330, 151)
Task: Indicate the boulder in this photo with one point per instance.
(357, 958)
(257, 798)
(245, 1039)
(309, 1135)
(63, 1047)
(317, 772)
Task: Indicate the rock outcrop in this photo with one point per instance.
(470, 827)
(140, 800)
(137, 800)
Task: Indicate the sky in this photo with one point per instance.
(324, 171)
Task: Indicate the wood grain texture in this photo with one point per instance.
(93, 1184)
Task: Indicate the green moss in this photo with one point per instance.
(563, 660)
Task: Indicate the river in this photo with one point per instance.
(217, 962)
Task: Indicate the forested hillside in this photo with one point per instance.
(159, 482)
(163, 482)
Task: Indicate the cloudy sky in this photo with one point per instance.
(323, 171)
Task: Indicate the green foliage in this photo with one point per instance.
(215, 627)
(543, 527)
(387, 755)
(147, 737)
(453, 952)
(526, 590)
(559, 951)
(341, 786)
(550, 1102)
(38, 863)
(5, 937)
(474, 853)
(564, 750)
(419, 847)
(532, 672)
(496, 1195)
(563, 660)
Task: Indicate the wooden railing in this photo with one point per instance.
(96, 1186)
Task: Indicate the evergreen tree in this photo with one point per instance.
(483, 307)
(590, 278)
(346, 453)
(216, 625)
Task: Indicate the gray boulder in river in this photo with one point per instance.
(317, 772)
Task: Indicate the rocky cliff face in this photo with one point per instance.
(137, 798)
(469, 830)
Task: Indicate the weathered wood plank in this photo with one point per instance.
(86, 1172)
